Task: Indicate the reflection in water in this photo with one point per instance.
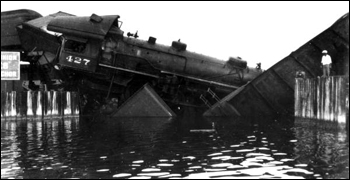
(325, 149)
(166, 148)
(33, 146)
(10, 151)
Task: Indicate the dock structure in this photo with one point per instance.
(39, 104)
(323, 98)
(272, 93)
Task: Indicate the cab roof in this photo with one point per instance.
(94, 26)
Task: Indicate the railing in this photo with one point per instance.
(206, 102)
(39, 104)
(212, 93)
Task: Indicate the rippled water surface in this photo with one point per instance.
(170, 148)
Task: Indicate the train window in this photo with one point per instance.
(75, 46)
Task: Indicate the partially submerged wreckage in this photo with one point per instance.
(92, 56)
(273, 92)
(126, 76)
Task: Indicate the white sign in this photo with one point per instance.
(10, 65)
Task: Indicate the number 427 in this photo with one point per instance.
(77, 60)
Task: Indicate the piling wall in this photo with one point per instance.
(323, 98)
(39, 104)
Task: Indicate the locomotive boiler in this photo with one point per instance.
(93, 56)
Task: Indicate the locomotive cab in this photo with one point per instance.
(80, 53)
(82, 39)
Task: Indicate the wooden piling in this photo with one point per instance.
(3, 103)
(39, 104)
(323, 98)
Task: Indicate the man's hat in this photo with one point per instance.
(324, 51)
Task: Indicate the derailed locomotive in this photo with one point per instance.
(91, 55)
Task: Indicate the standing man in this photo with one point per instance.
(326, 63)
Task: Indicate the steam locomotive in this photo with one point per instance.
(93, 56)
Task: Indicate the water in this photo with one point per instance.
(104, 147)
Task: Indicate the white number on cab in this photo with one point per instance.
(77, 60)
